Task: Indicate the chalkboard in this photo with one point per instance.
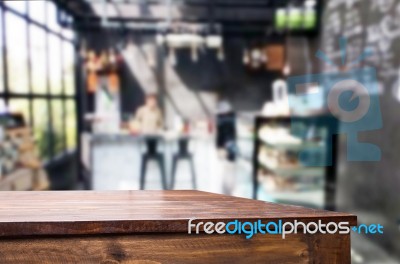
(366, 24)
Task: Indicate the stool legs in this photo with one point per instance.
(143, 171)
(193, 172)
(160, 161)
(176, 158)
(174, 164)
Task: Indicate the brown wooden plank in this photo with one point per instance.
(178, 248)
(85, 212)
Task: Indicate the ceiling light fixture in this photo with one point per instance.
(310, 3)
(214, 41)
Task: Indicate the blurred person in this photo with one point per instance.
(103, 72)
(226, 145)
(103, 96)
(148, 118)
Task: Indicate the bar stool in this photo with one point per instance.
(152, 154)
(183, 153)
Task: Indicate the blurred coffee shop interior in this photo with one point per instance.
(193, 94)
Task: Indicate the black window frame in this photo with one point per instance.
(30, 96)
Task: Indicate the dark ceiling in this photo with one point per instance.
(231, 15)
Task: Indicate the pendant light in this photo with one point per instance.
(172, 57)
(221, 54)
(287, 69)
(246, 57)
(194, 53)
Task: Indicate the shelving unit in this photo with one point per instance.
(245, 135)
(278, 168)
(20, 166)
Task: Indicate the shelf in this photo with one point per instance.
(280, 153)
(291, 146)
(294, 170)
(312, 198)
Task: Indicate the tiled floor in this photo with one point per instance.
(365, 251)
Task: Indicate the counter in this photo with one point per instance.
(103, 154)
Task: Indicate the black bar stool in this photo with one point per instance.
(152, 154)
(183, 153)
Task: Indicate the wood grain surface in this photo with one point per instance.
(178, 248)
(120, 212)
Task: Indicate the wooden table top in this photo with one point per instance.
(116, 212)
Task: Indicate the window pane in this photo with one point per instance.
(55, 65)
(38, 57)
(58, 128)
(3, 107)
(68, 33)
(52, 16)
(37, 11)
(69, 68)
(19, 6)
(17, 54)
(40, 127)
(20, 106)
(70, 119)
